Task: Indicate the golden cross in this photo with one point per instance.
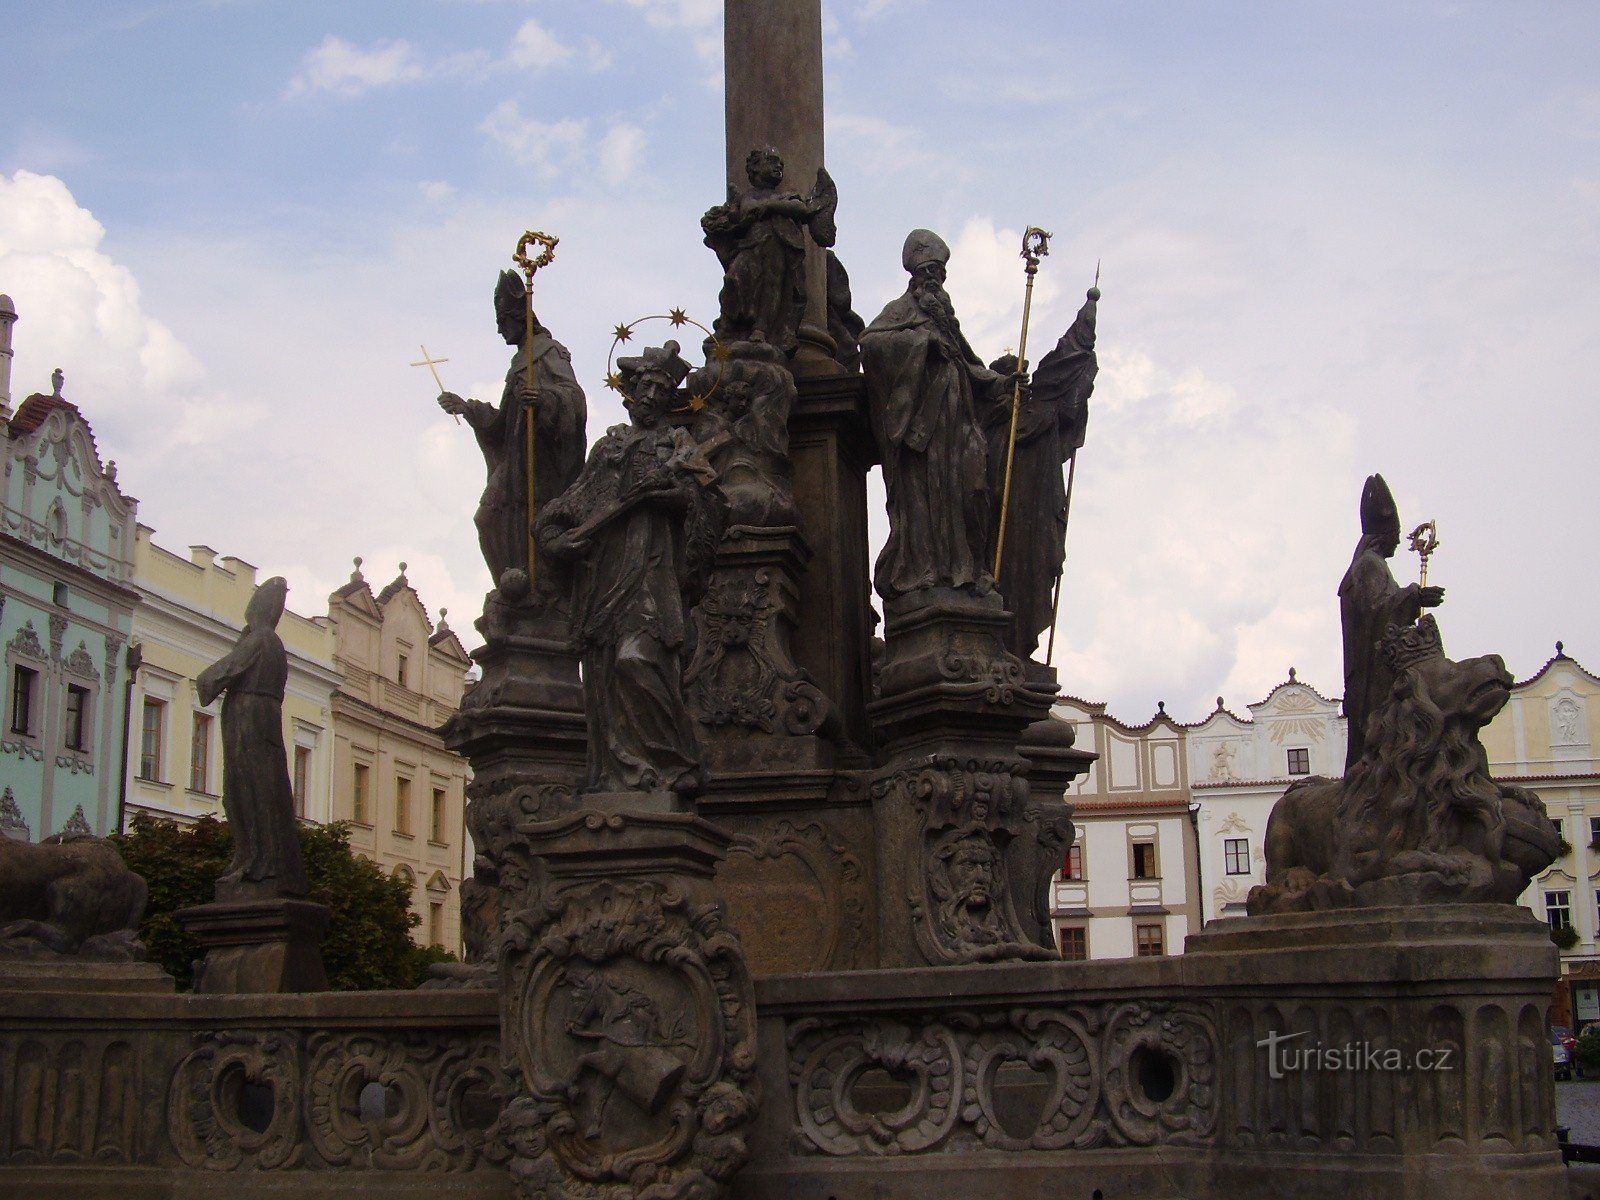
(430, 364)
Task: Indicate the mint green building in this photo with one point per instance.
(66, 611)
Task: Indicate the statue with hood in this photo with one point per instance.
(928, 394)
(504, 515)
(1369, 602)
(1051, 423)
(256, 793)
(637, 534)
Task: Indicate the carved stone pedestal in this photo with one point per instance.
(1054, 761)
(626, 1013)
(953, 794)
(259, 946)
(521, 728)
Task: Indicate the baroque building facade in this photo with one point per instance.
(401, 791)
(1128, 886)
(191, 613)
(67, 609)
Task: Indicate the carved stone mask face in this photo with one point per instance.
(972, 876)
(765, 171)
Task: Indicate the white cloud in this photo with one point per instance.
(620, 151)
(549, 147)
(344, 69)
(986, 281)
(535, 47)
(79, 308)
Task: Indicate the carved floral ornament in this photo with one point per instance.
(633, 1023)
(1058, 1078)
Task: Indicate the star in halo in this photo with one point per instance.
(696, 402)
(678, 317)
(614, 382)
(624, 332)
(721, 353)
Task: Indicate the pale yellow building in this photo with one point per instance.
(191, 612)
(1546, 739)
(401, 790)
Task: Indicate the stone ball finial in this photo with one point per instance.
(402, 568)
(1219, 703)
(1293, 676)
(355, 575)
(1161, 707)
(1561, 650)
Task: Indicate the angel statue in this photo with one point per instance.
(760, 240)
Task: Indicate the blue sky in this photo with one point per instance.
(1337, 238)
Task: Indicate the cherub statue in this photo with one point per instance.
(760, 240)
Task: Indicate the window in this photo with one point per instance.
(358, 794)
(1074, 943)
(302, 778)
(24, 687)
(1148, 940)
(200, 753)
(76, 735)
(152, 739)
(402, 805)
(441, 814)
(1144, 861)
(435, 923)
(1072, 868)
(1594, 830)
(1300, 761)
(1558, 909)
(1236, 856)
(1560, 826)
(400, 671)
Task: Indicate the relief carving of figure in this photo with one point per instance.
(928, 395)
(632, 1042)
(760, 240)
(636, 535)
(1369, 602)
(503, 518)
(256, 793)
(1051, 421)
(743, 431)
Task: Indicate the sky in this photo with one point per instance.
(1335, 239)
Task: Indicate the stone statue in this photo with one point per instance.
(1369, 602)
(1051, 421)
(760, 240)
(928, 394)
(502, 517)
(68, 896)
(256, 793)
(639, 531)
(1417, 819)
(743, 431)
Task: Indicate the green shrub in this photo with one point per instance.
(1589, 1048)
(368, 945)
(1565, 937)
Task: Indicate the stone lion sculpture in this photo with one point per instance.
(1417, 819)
(71, 896)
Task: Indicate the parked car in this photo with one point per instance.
(1561, 1056)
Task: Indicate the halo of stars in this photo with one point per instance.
(678, 318)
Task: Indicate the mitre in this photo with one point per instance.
(923, 246)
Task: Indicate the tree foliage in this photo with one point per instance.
(368, 945)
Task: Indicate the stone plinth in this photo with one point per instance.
(626, 1005)
(953, 798)
(521, 727)
(259, 946)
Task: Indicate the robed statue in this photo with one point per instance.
(636, 535)
(1369, 602)
(760, 240)
(256, 793)
(928, 394)
(558, 401)
(1052, 418)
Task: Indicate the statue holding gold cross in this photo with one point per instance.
(533, 443)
